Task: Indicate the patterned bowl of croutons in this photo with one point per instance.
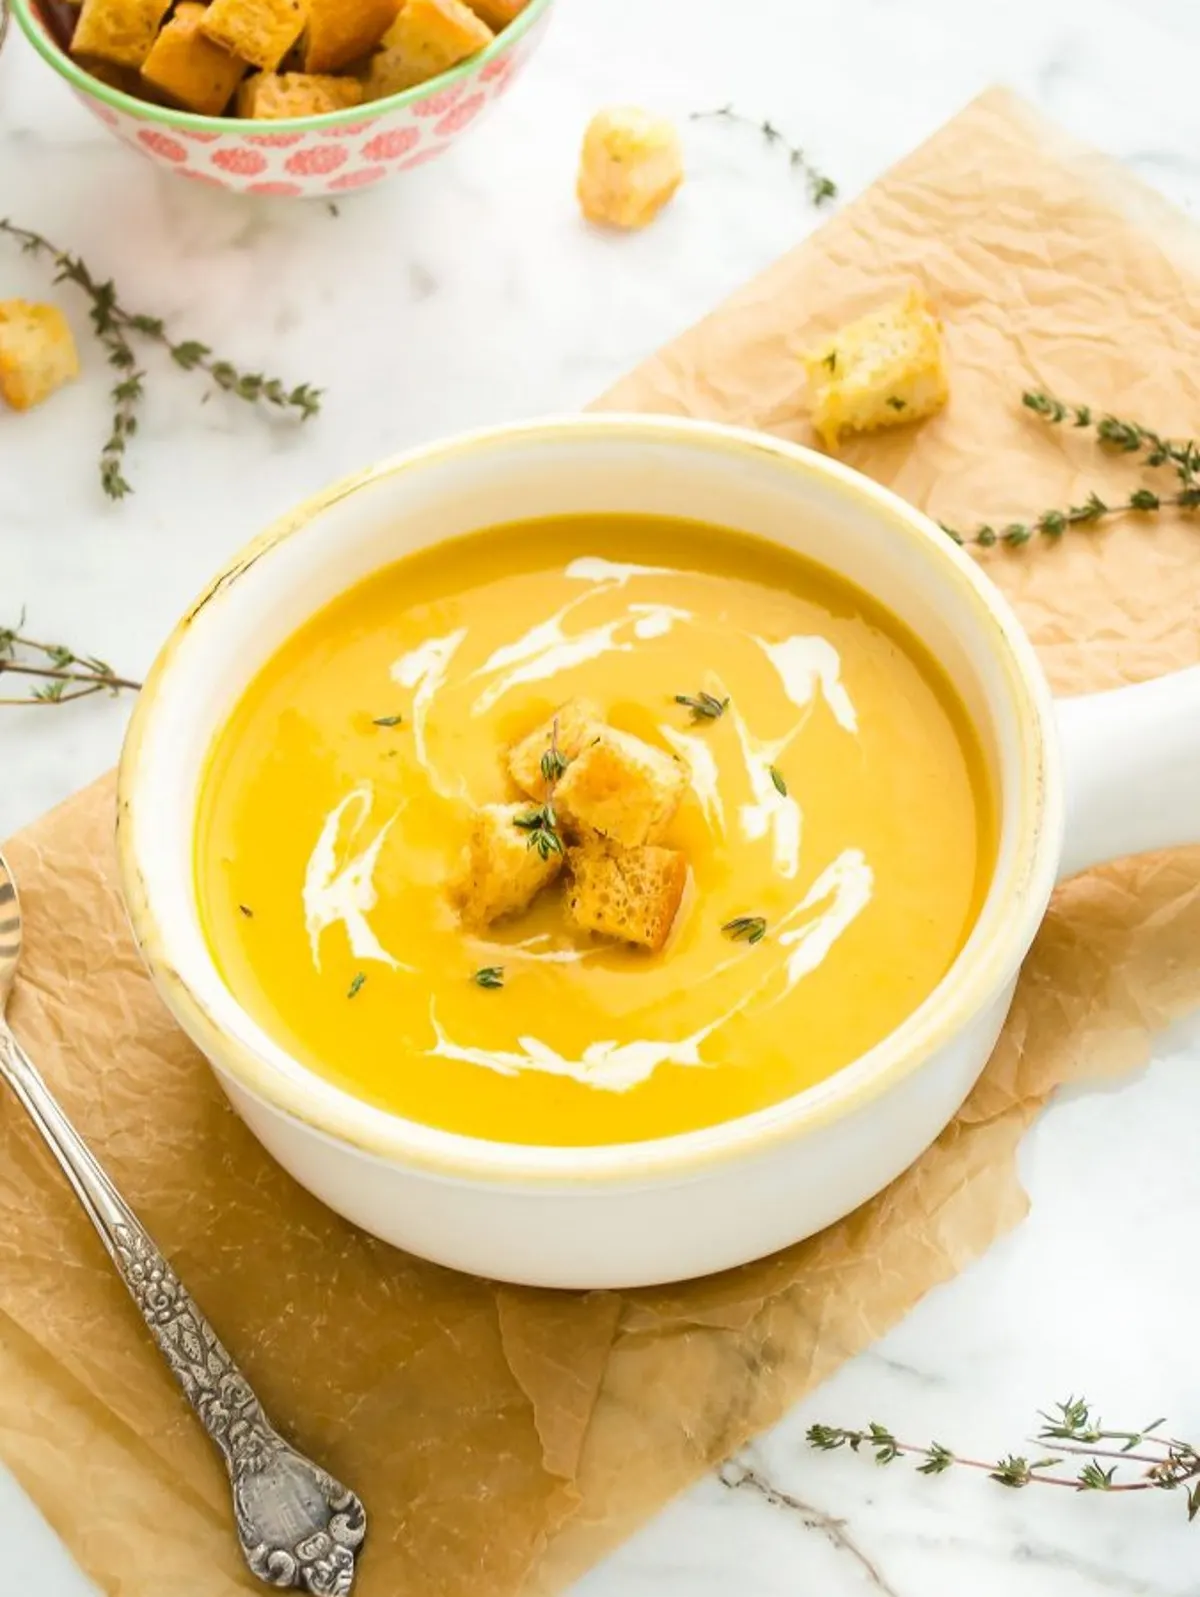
(301, 98)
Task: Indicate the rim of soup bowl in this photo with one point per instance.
(80, 79)
(237, 1047)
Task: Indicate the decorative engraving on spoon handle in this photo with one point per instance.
(298, 1527)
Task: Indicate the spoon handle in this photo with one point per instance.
(298, 1527)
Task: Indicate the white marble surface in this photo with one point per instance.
(471, 293)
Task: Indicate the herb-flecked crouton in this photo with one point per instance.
(630, 894)
(502, 871)
(569, 727)
(620, 788)
(426, 39)
(37, 352)
(188, 69)
(886, 368)
(630, 166)
(120, 31)
(274, 96)
(341, 32)
(259, 31)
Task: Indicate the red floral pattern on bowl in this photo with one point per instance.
(310, 157)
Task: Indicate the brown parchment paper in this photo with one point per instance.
(504, 1439)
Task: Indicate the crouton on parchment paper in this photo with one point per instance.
(885, 369)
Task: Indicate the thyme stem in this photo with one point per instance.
(57, 670)
(1071, 1432)
(97, 679)
(820, 187)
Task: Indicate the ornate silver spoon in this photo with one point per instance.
(298, 1527)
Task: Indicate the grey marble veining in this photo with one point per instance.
(471, 293)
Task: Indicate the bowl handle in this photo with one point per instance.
(1132, 763)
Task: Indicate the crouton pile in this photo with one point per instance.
(598, 803)
(270, 59)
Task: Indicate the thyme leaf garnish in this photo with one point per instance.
(554, 762)
(542, 828)
(704, 706)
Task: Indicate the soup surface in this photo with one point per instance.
(836, 810)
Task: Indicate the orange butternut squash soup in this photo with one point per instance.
(590, 831)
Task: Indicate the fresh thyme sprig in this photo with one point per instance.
(1117, 436)
(113, 326)
(1166, 1464)
(704, 706)
(1053, 523)
(777, 780)
(1124, 437)
(60, 673)
(542, 828)
(746, 928)
(820, 187)
(554, 762)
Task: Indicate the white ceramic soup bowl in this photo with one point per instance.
(1115, 774)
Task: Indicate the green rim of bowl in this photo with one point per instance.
(82, 80)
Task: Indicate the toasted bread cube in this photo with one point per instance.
(120, 31)
(620, 789)
(273, 96)
(887, 368)
(498, 13)
(502, 872)
(631, 894)
(569, 727)
(259, 31)
(188, 69)
(341, 32)
(631, 164)
(426, 39)
(37, 352)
